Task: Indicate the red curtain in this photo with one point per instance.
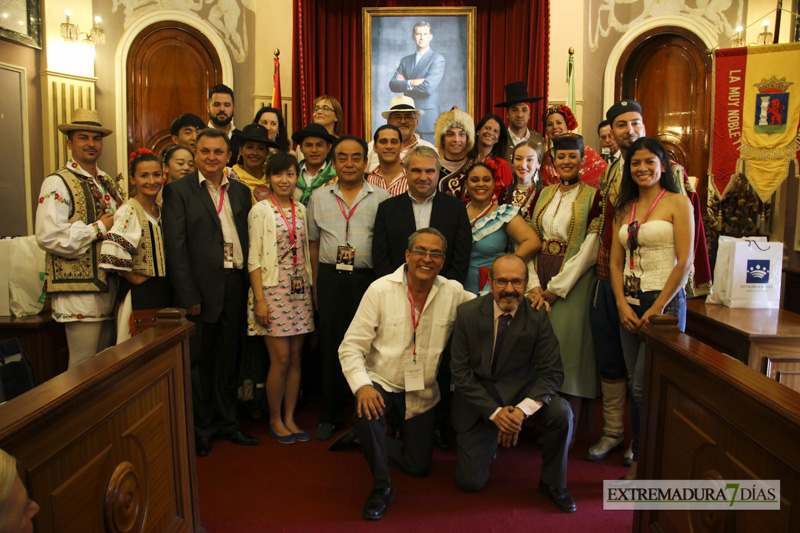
(512, 44)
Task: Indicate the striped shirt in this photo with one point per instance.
(398, 186)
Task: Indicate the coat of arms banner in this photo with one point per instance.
(756, 114)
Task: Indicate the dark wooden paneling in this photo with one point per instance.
(668, 71)
(108, 444)
(170, 68)
(707, 416)
(791, 289)
(43, 339)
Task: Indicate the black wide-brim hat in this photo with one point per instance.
(313, 130)
(516, 93)
(255, 133)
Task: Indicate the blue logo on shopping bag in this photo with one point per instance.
(757, 271)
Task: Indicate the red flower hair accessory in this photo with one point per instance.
(138, 152)
(565, 112)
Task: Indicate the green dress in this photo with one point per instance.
(569, 316)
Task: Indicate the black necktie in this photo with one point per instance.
(502, 329)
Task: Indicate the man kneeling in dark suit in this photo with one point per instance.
(506, 366)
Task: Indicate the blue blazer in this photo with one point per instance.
(426, 95)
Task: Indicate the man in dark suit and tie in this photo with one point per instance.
(506, 367)
(423, 206)
(206, 242)
(418, 75)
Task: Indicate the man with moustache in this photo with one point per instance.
(403, 115)
(221, 106)
(421, 207)
(627, 125)
(76, 209)
(390, 356)
(455, 137)
(206, 245)
(506, 367)
(341, 219)
(608, 144)
(518, 105)
(389, 174)
(184, 130)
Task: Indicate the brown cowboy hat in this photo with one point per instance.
(85, 120)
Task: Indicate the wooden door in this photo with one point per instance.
(668, 71)
(170, 68)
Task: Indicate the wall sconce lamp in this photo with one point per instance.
(765, 37)
(72, 34)
(738, 42)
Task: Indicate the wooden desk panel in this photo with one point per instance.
(705, 416)
(108, 445)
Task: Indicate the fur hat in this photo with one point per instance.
(455, 118)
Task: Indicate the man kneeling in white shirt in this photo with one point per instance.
(390, 356)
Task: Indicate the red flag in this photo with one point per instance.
(276, 79)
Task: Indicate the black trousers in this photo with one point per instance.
(338, 296)
(413, 455)
(477, 446)
(215, 355)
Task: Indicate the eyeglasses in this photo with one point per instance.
(516, 283)
(322, 108)
(422, 253)
(633, 229)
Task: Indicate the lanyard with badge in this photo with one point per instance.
(632, 285)
(297, 284)
(346, 254)
(227, 247)
(412, 372)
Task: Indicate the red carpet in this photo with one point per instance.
(304, 487)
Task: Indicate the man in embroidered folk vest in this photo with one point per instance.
(76, 209)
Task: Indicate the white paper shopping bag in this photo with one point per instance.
(722, 279)
(755, 275)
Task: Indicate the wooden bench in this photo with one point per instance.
(109, 445)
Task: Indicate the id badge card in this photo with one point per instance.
(413, 377)
(227, 250)
(345, 258)
(632, 287)
(298, 287)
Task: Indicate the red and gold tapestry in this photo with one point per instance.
(756, 114)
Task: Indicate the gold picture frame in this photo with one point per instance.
(22, 23)
(389, 46)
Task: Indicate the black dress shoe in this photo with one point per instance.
(202, 446)
(348, 438)
(441, 438)
(375, 507)
(241, 438)
(560, 498)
